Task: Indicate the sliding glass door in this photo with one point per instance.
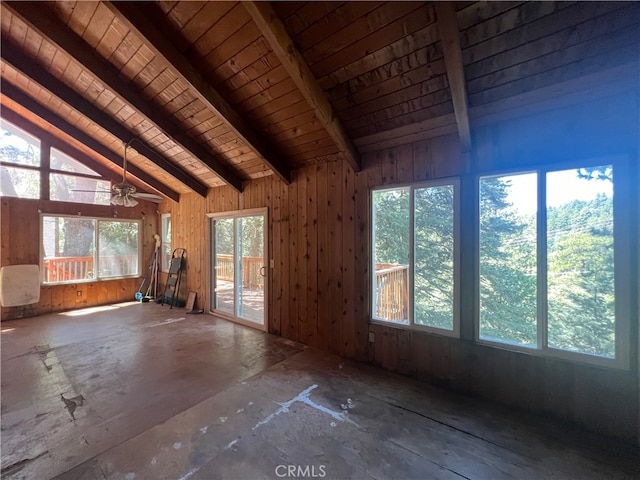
(239, 267)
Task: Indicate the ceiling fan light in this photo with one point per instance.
(117, 200)
(130, 202)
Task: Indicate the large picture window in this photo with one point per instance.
(77, 249)
(547, 264)
(415, 256)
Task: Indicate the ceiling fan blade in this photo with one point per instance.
(152, 197)
(93, 191)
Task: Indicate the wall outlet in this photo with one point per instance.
(79, 293)
(372, 337)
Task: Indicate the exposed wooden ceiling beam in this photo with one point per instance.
(13, 56)
(450, 36)
(18, 96)
(150, 25)
(68, 41)
(276, 35)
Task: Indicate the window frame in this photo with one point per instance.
(623, 275)
(456, 183)
(44, 171)
(98, 220)
(29, 138)
(76, 175)
(163, 243)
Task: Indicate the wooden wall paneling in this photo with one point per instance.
(45, 306)
(440, 359)
(57, 297)
(277, 252)
(529, 382)
(480, 371)
(324, 258)
(404, 164)
(461, 358)
(349, 324)
(302, 253)
(312, 253)
(504, 378)
(336, 282)
(362, 259)
(375, 347)
(619, 387)
(282, 263)
(390, 348)
(559, 388)
(405, 362)
(420, 356)
(373, 171)
(293, 258)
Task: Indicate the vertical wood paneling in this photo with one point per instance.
(320, 233)
(333, 327)
(311, 201)
(348, 320)
(293, 257)
(302, 271)
(20, 244)
(324, 260)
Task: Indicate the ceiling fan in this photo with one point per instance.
(123, 193)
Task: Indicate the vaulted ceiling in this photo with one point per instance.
(223, 92)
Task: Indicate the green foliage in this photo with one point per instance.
(507, 268)
(392, 226)
(581, 298)
(434, 256)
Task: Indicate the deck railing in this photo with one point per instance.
(68, 269)
(392, 294)
(251, 277)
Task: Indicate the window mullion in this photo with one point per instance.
(411, 259)
(541, 263)
(96, 250)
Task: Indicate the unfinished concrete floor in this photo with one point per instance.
(140, 391)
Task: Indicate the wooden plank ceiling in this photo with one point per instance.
(223, 92)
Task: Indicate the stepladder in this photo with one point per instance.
(176, 268)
